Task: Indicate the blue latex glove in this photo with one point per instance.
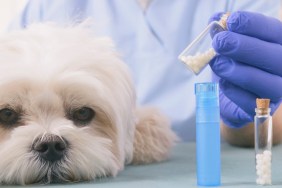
(249, 65)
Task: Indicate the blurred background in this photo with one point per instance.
(8, 10)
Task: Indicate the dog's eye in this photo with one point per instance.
(83, 115)
(8, 116)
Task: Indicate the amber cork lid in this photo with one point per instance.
(263, 103)
(223, 19)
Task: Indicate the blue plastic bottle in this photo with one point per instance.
(207, 134)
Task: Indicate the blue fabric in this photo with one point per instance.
(149, 43)
(251, 48)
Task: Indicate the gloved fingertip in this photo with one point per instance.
(235, 124)
(238, 21)
(216, 63)
(231, 114)
(213, 60)
(222, 66)
(215, 17)
(224, 42)
(223, 84)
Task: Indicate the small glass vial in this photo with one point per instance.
(263, 141)
(207, 134)
(199, 52)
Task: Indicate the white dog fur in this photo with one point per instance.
(49, 72)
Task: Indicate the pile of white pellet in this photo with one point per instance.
(263, 168)
(197, 62)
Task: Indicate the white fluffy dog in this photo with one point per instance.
(67, 109)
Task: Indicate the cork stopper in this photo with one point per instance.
(223, 19)
(263, 103)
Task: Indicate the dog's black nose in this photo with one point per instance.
(50, 147)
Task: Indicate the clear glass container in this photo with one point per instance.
(263, 145)
(199, 52)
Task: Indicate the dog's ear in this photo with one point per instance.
(153, 137)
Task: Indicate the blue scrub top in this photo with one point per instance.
(150, 42)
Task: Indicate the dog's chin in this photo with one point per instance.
(53, 178)
(53, 174)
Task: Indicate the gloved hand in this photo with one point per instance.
(249, 65)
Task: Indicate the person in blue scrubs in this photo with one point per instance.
(150, 34)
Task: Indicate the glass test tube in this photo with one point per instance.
(207, 134)
(199, 52)
(263, 141)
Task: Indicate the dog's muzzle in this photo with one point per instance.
(50, 147)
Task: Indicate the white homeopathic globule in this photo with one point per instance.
(198, 61)
(263, 168)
